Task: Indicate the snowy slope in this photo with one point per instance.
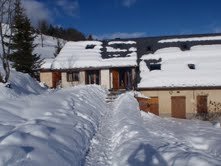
(174, 67)
(49, 46)
(45, 50)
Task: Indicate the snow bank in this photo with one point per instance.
(21, 84)
(175, 71)
(51, 129)
(133, 145)
(145, 139)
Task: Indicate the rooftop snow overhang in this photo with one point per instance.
(179, 88)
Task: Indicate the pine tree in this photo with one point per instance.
(23, 43)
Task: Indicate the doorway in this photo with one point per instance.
(178, 104)
(122, 78)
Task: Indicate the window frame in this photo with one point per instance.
(73, 76)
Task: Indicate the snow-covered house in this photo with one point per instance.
(180, 74)
(111, 64)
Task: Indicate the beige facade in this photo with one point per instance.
(105, 78)
(164, 97)
(46, 77)
(65, 83)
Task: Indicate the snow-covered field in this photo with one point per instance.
(76, 126)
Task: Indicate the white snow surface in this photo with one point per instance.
(49, 129)
(190, 39)
(75, 55)
(47, 63)
(49, 46)
(111, 49)
(127, 136)
(76, 126)
(174, 67)
(121, 42)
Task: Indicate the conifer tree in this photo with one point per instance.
(23, 43)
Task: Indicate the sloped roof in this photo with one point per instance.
(175, 71)
(95, 54)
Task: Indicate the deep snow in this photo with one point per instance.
(76, 126)
(51, 129)
(130, 137)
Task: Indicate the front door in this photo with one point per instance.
(56, 78)
(115, 74)
(122, 78)
(178, 104)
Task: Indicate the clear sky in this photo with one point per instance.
(130, 18)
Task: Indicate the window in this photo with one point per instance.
(185, 47)
(155, 67)
(72, 76)
(149, 49)
(90, 46)
(93, 77)
(192, 66)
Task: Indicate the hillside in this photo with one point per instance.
(48, 48)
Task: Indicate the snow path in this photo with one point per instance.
(101, 149)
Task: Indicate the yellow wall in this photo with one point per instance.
(191, 99)
(46, 77)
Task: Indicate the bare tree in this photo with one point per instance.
(6, 12)
(42, 27)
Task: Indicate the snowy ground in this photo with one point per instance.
(128, 137)
(77, 127)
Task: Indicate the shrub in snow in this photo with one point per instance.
(213, 113)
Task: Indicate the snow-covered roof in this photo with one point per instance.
(47, 63)
(175, 71)
(205, 38)
(91, 54)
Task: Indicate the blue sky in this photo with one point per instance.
(131, 18)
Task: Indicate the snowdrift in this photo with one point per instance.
(21, 84)
(133, 144)
(145, 139)
(51, 129)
